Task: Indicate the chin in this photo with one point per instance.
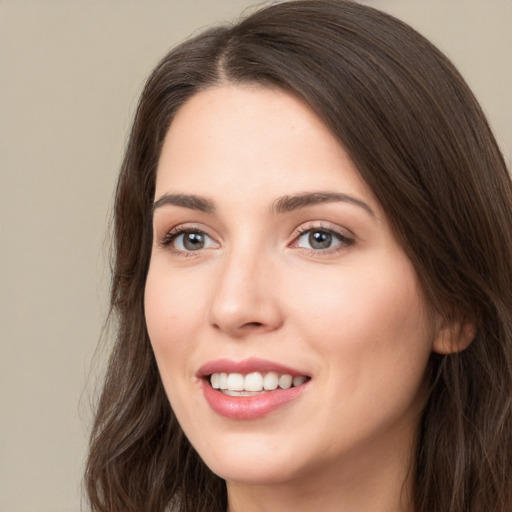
(253, 473)
(253, 461)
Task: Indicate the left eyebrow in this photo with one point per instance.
(289, 203)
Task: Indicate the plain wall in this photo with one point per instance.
(70, 75)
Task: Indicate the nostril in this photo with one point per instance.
(252, 325)
(248, 326)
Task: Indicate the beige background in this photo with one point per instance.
(70, 74)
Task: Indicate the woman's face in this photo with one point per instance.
(273, 265)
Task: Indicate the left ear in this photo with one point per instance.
(454, 336)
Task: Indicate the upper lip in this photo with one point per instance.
(246, 366)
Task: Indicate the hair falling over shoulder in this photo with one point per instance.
(421, 142)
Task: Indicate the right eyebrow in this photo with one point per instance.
(185, 201)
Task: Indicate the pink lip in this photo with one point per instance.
(247, 407)
(246, 366)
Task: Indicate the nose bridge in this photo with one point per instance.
(244, 299)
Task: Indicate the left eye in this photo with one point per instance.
(192, 241)
(318, 239)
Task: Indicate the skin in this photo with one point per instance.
(352, 317)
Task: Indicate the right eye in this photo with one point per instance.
(187, 240)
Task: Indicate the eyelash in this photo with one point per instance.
(344, 241)
(170, 237)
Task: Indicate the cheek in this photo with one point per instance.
(371, 332)
(171, 311)
(385, 300)
(370, 325)
(172, 301)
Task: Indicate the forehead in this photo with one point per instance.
(249, 139)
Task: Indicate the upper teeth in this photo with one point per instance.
(254, 381)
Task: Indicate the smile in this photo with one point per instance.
(250, 389)
(251, 384)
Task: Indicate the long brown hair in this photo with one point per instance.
(422, 143)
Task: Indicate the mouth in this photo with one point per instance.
(250, 389)
(254, 383)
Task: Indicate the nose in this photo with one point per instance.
(245, 299)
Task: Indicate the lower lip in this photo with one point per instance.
(249, 407)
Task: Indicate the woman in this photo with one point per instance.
(312, 278)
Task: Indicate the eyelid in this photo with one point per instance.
(345, 237)
(170, 235)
